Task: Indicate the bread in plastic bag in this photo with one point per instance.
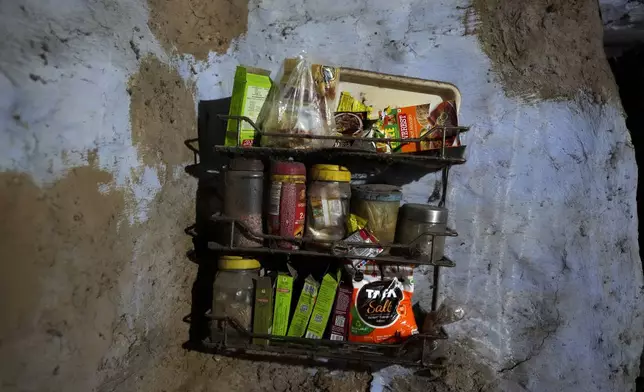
(301, 105)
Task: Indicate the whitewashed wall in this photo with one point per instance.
(547, 258)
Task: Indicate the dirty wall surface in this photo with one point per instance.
(97, 98)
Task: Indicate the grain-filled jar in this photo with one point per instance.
(233, 293)
(417, 222)
(328, 202)
(243, 200)
(379, 205)
(287, 203)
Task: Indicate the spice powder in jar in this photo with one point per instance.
(328, 205)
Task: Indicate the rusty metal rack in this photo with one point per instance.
(432, 159)
(416, 351)
(229, 338)
(334, 249)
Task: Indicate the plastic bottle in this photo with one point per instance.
(287, 204)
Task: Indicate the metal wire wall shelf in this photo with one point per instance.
(416, 351)
(430, 160)
(332, 249)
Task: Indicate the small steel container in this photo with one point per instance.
(417, 224)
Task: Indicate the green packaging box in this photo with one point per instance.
(263, 312)
(322, 308)
(250, 89)
(283, 294)
(304, 308)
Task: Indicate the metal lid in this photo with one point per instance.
(423, 213)
(377, 192)
(240, 164)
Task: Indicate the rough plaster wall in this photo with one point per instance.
(198, 26)
(547, 257)
(94, 275)
(530, 44)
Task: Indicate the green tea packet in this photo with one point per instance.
(263, 311)
(304, 308)
(250, 89)
(283, 295)
(322, 308)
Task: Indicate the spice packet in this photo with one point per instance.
(304, 308)
(347, 103)
(402, 123)
(357, 226)
(444, 115)
(413, 122)
(355, 223)
(350, 123)
(322, 309)
(283, 295)
(340, 315)
(356, 125)
(263, 312)
(250, 89)
(364, 236)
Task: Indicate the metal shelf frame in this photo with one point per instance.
(415, 351)
(333, 249)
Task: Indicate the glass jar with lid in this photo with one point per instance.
(243, 199)
(328, 202)
(233, 294)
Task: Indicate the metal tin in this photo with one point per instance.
(418, 225)
(245, 164)
(423, 213)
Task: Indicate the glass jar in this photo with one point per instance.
(328, 202)
(243, 199)
(417, 224)
(378, 204)
(233, 295)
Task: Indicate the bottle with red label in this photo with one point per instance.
(287, 204)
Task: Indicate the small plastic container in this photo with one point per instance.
(287, 201)
(379, 205)
(233, 294)
(243, 199)
(328, 202)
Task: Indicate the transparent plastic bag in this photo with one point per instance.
(301, 105)
(447, 313)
